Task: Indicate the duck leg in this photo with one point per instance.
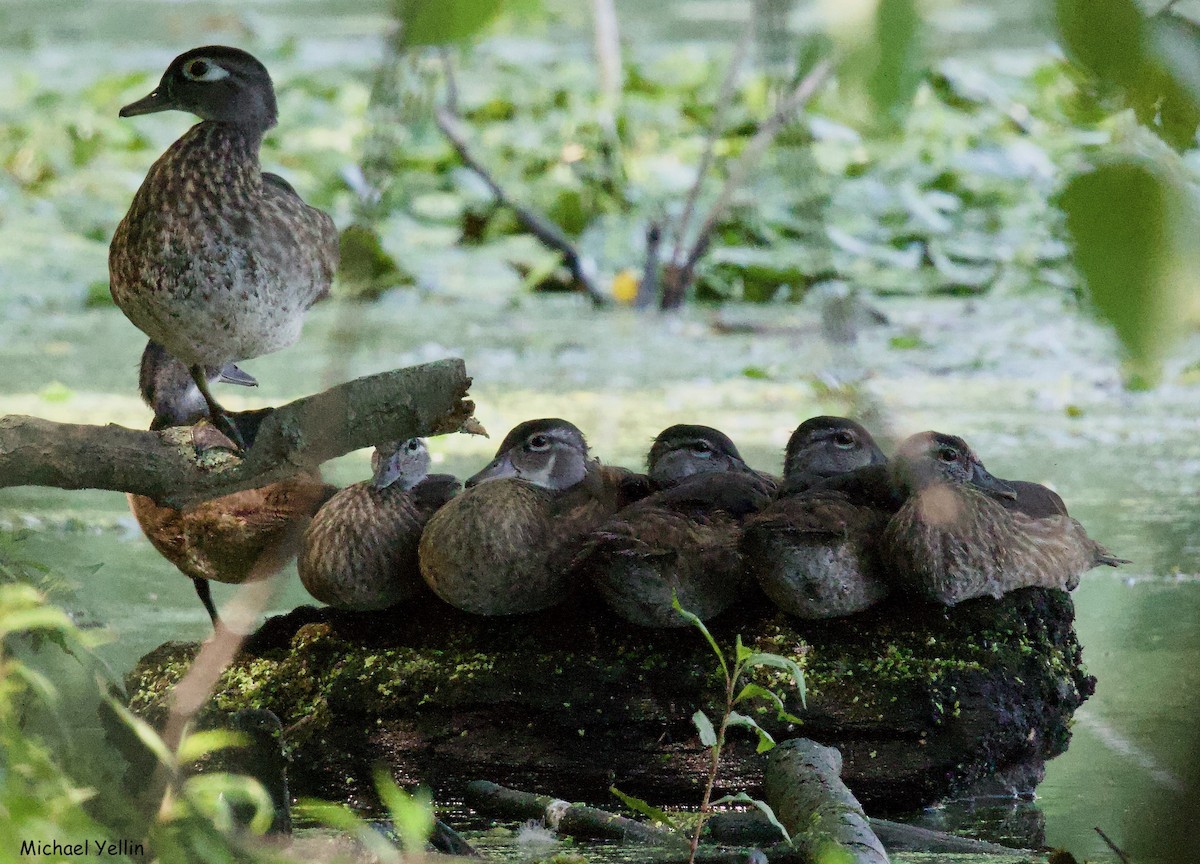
(204, 592)
(220, 417)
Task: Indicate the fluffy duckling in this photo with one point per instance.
(502, 547)
(360, 552)
(216, 260)
(681, 541)
(963, 533)
(232, 539)
(814, 550)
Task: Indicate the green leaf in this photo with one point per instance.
(774, 661)
(214, 793)
(411, 814)
(437, 22)
(765, 741)
(757, 691)
(144, 732)
(699, 625)
(342, 818)
(1106, 37)
(198, 744)
(1133, 232)
(762, 806)
(901, 66)
(637, 805)
(708, 735)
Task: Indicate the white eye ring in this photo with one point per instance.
(212, 72)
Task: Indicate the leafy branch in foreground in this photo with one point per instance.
(713, 736)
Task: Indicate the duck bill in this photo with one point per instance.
(502, 466)
(231, 374)
(389, 472)
(152, 103)
(981, 479)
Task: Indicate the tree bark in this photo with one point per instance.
(405, 403)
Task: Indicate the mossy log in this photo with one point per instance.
(923, 701)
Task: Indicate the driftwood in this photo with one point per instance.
(804, 787)
(422, 400)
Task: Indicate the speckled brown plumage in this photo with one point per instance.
(360, 552)
(814, 550)
(236, 537)
(952, 543)
(216, 260)
(680, 542)
(502, 547)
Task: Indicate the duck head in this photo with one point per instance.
(167, 387)
(824, 447)
(683, 450)
(214, 83)
(405, 463)
(930, 458)
(550, 453)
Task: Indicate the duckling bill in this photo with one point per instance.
(217, 261)
(503, 545)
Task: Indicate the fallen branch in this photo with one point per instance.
(300, 436)
(536, 224)
(1117, 850)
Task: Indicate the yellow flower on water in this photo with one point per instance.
(625, 286)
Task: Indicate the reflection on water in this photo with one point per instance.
(1126, 463)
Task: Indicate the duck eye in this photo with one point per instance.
(539, 442)
(843, 439)
(412, 446)
(204, 70)
(702, 449)
(947, 454)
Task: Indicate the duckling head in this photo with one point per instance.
(214, 83)
(931, 458)
(683, 450)
(167, 387)
(550, 453)
(400, 462)
(827, 447)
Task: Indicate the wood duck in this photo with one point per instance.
(234, 538)
(814, 550)
(216, 260)
(360, 552)
(962, 533)
(681, 541)
(502, 547)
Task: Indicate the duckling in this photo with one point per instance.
(503, 545)
(963, 533)
(682, 540)
(360, 552)
(233, 538)
(814, 549)
(216, 260)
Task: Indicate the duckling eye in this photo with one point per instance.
(203, 70)
(947, 454)
(843, 439)
(412, 446)
(539, 443)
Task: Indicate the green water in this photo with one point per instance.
(1029, 381)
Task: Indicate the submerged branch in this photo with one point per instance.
(535, 223)
(405, 403)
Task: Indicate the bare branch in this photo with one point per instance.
(714, 132)
(404, 403)
(753, 152)
(536, 224)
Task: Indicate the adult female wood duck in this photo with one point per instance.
(502, 547)
(216, 260)
(814, 549)
(360, 552)
(232, 539)
(681, 541)
(962, 533)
